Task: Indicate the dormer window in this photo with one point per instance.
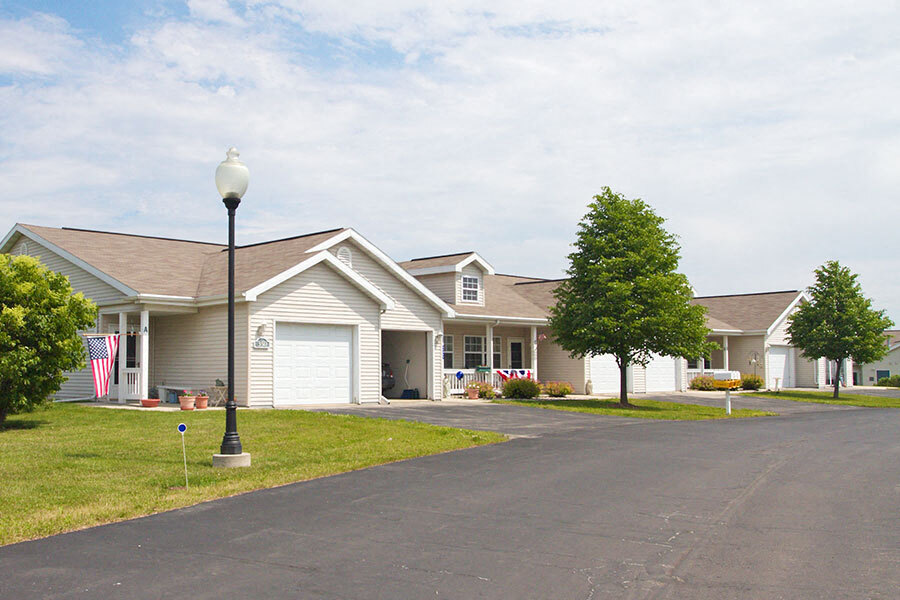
(469, 289)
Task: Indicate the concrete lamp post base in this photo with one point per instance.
(226, 461)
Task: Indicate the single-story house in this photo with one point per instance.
(870, 373)
(317, 315)
(751, 330)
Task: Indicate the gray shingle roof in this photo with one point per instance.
(746, 312)
(170, 267)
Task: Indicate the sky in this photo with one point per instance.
(767, 134)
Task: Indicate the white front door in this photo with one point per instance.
(313, 364)
(781, 366)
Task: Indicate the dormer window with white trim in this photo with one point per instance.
(469, 289)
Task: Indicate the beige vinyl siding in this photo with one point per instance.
(470, 270)
(460, 330)
(554, 364)
(779, 336)
(411, 311)
(868, 371)
(739, 349)
(317, 295)
(442, 284)
(79, 384)
(191, 350)
(807, 371)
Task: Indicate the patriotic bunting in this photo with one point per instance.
(506, 374)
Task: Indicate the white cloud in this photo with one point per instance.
(767, 135)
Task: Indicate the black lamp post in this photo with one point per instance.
(232, 177)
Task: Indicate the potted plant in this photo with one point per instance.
(472, 390)
(186, 400)
(202, 400)
(153, 400)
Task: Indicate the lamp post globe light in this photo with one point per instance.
(232, 178)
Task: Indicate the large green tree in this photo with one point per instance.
(839, 322)
(623, 295)
(39, 323)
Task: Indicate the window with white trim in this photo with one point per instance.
(469, 288)
(497, 348)
(473, 351)
(448, 351)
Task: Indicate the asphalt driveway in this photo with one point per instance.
(798, 506)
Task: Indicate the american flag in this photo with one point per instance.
(102, 353)
(514, 374)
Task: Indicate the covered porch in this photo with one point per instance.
(744, 353)
(136, 369)
(478, 351)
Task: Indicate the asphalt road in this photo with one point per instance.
(798, 506)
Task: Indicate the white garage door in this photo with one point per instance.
(604, 374)
(313, 364)
(780, 366)
(661, 374)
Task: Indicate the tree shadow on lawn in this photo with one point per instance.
(16, 424)
(594, 403)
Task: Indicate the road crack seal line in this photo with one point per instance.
(720, 519)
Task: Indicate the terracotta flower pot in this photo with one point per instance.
(472, 393)
(150, 402)
(202, 402)
(186, 402)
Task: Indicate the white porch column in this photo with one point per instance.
(489, 346)
(534, 352)
(725, 350)
(145, 353)
(123, 353)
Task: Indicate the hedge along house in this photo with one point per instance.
(501, 322)
(751, 330)
(315, 314)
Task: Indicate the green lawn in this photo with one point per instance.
(70, 467)
(826, 398)
(643, 409)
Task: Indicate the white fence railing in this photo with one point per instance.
(132, 384)
(457, 385)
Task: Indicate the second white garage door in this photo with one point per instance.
(313, 364)
(661, 374)
(781, 366)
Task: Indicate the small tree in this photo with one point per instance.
(39, 323)
(623, 296)
(839, 322)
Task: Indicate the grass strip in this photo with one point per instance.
(826, 398)
(68, 467)
(642, 409)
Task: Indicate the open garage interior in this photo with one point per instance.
(407, 354)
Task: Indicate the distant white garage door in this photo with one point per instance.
(313, 364)
(604, 374)
(780, 366)
(661, 374)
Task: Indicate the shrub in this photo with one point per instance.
(521, 388)
(485, 390)
(892, 381)
(751, 382)
(705, 383)
(39, 340)
(558, 389)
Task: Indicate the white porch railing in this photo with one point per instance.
(458, 386)
(691, 373)
(132, 384)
